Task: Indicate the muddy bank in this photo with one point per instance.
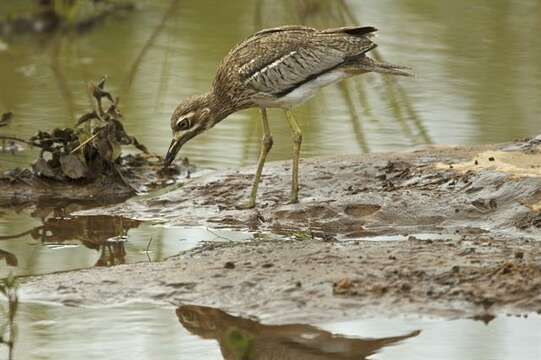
(449, 231)
(306, 280)
(440, 190)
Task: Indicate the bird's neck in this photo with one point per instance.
(219, 106)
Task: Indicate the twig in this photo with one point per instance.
(87, 141)
(13, 138)
(217, 235)
(123, 179)
(147, 250)
(16, 236)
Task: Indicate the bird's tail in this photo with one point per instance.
(368, 64)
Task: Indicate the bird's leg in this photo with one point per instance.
(297, 140)
(266, 145)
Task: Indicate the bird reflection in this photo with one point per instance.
(245, 339)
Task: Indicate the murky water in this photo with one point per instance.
(50, 240)
(140, 331)
(478, 67)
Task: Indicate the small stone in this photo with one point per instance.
(342, 285)
(229, 265)
(476, 162)
(491, 159)
(267, 265)
(519, 255)
(405, 287)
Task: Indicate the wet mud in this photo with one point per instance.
(440, 231)
(134, 174)
(457, 191)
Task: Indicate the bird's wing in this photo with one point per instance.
(284, 58)
(285, 72)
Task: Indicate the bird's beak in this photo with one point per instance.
(176, 144)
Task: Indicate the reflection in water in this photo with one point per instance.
(9, 258)
(47, 238)
(57, 229)
(244, 339)
(105, 234)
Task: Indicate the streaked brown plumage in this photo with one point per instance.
(279, 67)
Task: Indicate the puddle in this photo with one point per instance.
(144, 331)
(51, 241)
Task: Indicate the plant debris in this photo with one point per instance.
(89, 150)
(90, 153)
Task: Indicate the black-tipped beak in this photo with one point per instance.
(172, 152)
(175, 146)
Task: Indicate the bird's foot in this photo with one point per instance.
(293, 199)
(250, 204)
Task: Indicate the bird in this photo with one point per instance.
(279, 67)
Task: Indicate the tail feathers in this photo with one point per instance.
(352, 30)
(368, 64)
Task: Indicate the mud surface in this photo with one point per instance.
(451, 232)
(460, 191)
(300, 280)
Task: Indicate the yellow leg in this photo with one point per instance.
(266, 145)
(297, 141)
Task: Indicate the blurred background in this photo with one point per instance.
(477, 65)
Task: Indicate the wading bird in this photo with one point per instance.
(277, 68)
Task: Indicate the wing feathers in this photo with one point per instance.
(294, 68)
(282, 58)
(352, 30)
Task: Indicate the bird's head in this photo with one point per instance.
(193, 116)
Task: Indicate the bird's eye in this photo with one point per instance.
(184, 124)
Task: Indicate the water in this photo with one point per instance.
(143, 331)
(50, 240)
(478, 66)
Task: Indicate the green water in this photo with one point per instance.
(143, 331)
(478, 66)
